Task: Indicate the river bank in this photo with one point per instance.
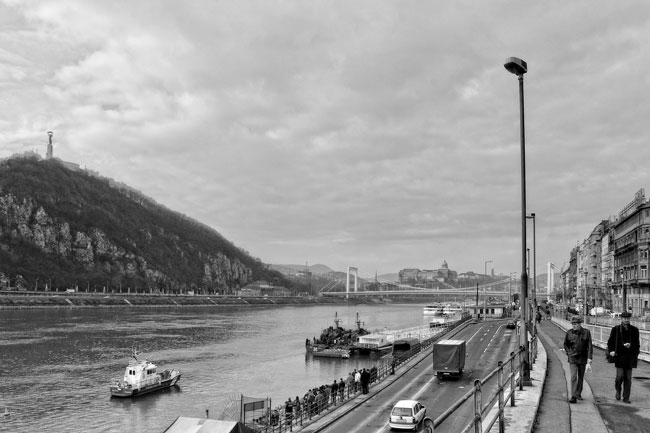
(22, 300)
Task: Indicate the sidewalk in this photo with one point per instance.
(599, 412)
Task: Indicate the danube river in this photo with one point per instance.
(57, 365)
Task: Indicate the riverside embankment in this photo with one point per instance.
(18, 300)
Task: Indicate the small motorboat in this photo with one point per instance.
(142, 377)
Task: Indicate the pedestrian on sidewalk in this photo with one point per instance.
(577, 346)
(623, 344)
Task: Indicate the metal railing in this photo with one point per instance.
(503, 381)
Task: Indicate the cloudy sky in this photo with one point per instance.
(377, 134)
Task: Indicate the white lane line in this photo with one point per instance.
(416, 396)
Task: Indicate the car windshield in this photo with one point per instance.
(402, 411)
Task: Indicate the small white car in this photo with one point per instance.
(406, 415)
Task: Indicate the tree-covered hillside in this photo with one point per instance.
(69, 228)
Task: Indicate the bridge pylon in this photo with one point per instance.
(354, 271)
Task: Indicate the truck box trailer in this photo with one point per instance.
(449, 358)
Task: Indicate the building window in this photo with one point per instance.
(644, 272)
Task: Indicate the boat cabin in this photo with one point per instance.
(374, 342)
(139, 373)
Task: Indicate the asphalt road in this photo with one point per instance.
(487, 344)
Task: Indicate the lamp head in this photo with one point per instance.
(516, 66)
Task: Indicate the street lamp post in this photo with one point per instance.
(624, 291)
(484, 295)
(519, 67)
(584, 301)
(532, 216)
(510, 292)
(486, 263)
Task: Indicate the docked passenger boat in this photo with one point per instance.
(378, 343)
(142, 377)
(433, 310)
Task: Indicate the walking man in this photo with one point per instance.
(577, 346)
(623, 345)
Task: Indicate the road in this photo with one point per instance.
(487, 343)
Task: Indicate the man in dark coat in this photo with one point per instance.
(623, 345)
(577, 346)
(334, 390)
(365, 380)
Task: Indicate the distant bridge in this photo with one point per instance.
(405, 289)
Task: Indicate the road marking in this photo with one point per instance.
(416, 396)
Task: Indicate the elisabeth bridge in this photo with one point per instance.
(502, 288)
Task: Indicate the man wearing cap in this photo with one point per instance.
(623, 345)
(577, 346)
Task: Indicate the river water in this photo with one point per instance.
(56, 365)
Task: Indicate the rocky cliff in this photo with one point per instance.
(67, 228)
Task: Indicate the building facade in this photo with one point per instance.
(610, 267)
(631, 243)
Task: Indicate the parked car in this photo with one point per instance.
(512, 324)
(406, 415)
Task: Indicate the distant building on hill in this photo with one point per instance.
(416, 276)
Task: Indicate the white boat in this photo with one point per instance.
(374, 343)
(141, 377)
(452, 310)
(448, 313)
(433, 310)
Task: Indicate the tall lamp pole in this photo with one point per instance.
(510, 292)
(624, 291)
(532, 216)
(489, 261)
(519, 67)
(585, 311)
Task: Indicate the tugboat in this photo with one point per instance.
(140, 377)
(335, 341)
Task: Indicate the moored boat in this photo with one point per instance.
(335, 341)
(331, 353)
(433, 310)
(142, 377)
(374, 343)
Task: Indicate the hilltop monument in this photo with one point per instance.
(49, 146)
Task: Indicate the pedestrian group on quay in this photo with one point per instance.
(316, 400)
(623, 347)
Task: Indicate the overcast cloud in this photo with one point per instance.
(377, 134)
